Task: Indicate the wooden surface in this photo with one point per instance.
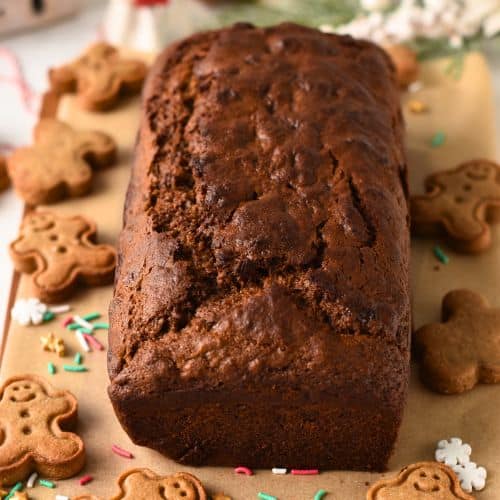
(463, 110)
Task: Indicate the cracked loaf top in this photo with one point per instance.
(266, 223)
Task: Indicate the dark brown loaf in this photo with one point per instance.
(261, 308)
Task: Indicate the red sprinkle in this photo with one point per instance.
(67, 321)
(120, 451)
(85, 480)
(95, 344)
(305, 472)
(244, 470)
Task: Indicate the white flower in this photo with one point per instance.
(375, 5)
(453, 452)
(471, 476)
(452, 19)
(28, 311)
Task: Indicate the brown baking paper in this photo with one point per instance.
(463, 110)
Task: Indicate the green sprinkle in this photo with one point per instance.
(441, 256)
(101, 326)
(73, 368)
(78, 358)
(85, 330)
(265, 496)
(73, 326)
(438, 139)
(91, 316)
(46, 483)
(48, 316)
(51, 368)
(18, 486)
(319, 494)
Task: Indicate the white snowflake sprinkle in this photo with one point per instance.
(28, 311)
(471, 476)
(453, 452)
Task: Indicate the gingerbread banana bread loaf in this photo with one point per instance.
(261, 309)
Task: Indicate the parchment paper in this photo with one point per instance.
(464, 111)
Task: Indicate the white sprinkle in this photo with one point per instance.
(415, 86)
(32, 480)
(82, 340)
(61, 497)
(82, 322)
(277, 470)
(60, 309)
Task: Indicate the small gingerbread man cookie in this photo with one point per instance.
(99, 76)
(32, 414)
(420, 481)
(4, 178)
(60, 252)
(60, 163)
(462, 202)
(464, 349)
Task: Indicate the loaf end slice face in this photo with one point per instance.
(261, 307)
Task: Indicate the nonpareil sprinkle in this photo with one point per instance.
(121, 452)
(17, 487)
(88, 331)
(305, 472)
(101, 326)
(278, 470)
(82, 322)
(91, 316)
(73, 368)
(85, 480)
(243, 470)
(319, 494)
(438, 139)
(265, 496)
(46, 483)
(31, 480)
(417, 107)
(48, 316)
(51, 368)
(440, 255)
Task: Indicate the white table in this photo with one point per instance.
(38, 51)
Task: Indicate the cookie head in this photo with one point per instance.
(38, 221)
(429, 479)
(138, 484)
(420, 481)
(22, 391)
(480, 171)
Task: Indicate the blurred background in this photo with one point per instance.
(38, 34)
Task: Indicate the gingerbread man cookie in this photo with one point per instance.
(4, 178)
(60, 163)
(464, 349)
(420, 481)
(99, 76)
(32, 413)
(60, 252)
(462, 202)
